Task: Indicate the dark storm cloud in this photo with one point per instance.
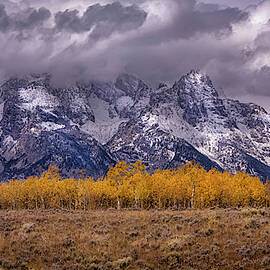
(190, 20)
(105, 19)
(4, 19)
(235, 3)
(142, 53)
(207, 7)
(157, 40)
(55, 49)
(68, 20)
(261, 80)
(28, 19)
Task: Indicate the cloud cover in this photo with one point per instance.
(154, 39)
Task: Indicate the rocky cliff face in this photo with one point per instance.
(91, 126)
(37, 130)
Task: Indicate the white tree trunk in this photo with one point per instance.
(118, 204)
(136, 201)
(192, 196)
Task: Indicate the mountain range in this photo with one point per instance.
(93, 125)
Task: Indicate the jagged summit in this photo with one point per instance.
(196, 84)
(192, 110)
(196, 75)
(127, 82)
(92, 125)
(132, 86)
(199, 100)
(162, 85)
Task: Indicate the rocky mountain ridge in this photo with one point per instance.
(92, 125)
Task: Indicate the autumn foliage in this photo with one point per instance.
(131, 186)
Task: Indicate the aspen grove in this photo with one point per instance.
(131, 186)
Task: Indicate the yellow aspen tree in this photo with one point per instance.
(267, 192)
(47, 184)
(138, 171)
(116, 175)
(192, 172)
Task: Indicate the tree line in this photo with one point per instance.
(131, 186)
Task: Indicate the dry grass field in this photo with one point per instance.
(129, 239)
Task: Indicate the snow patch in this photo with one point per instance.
(35, 131)
(102, 132)
(10, 146)
(50, 126)
(2, 110)
(9, 141)
(104, 127)
(123, 102)
(171, 155)
(150, 119)
(37, 97)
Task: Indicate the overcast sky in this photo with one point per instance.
(234, 3)
(157, 40)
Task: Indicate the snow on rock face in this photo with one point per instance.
(200, 101)
(143, 139)
(107, 119)
(42, 120)
(149, 120)
(9, 141)
(38, 130)
(231, 134)
(50, 126)
(127, 120)
(132, 86)
(33, 97)
(70, 151)
(9, 147)
(2, 110)
(123, 103)
(106, 91)
(102, 131)
(127, 83)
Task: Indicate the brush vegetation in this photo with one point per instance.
(127, 239)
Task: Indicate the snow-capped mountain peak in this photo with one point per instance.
(92, 125)
(197, 85)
